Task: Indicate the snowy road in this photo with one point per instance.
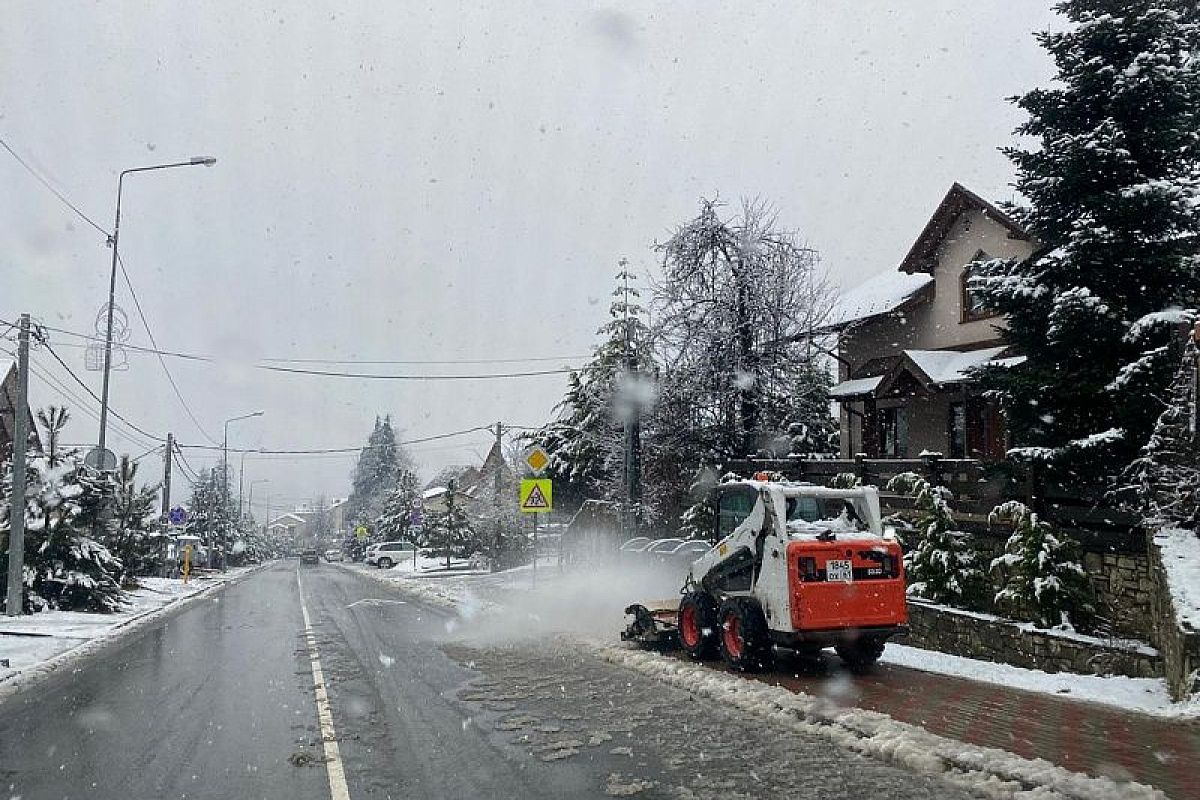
(217, 701)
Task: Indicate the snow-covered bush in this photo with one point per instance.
(941, 564)
(1044, 582)
(845, 480)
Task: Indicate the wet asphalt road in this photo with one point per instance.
(217, 701)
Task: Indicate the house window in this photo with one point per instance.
(971, 301)
(958, 430)
(893, 431)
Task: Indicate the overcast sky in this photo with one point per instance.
(422, 182)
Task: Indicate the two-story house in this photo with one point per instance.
(908, 338)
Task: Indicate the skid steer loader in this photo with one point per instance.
(796, 566)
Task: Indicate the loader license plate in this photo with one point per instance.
(839, 570)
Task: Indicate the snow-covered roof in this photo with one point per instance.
(951, 366)
(436, 491)
(879, 295)
(858, 386)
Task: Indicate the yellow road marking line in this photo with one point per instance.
(333, 755)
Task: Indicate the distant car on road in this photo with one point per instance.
(309, 557)
(333, 555)
(386, 555)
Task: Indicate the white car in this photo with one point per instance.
(386, 555)
(333, 555)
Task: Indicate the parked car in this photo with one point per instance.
(658, 551)
(309, 557)
(689, 551)
(386, 555)
(334, 555)
(636, 545)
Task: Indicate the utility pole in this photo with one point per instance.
(166, 486)
(497, 541)
(16, 536)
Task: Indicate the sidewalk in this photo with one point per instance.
(1080, 736)
(32, 643)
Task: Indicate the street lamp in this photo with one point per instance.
(225, 457)
(206, 161)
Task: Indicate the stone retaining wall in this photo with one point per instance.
(988, 638)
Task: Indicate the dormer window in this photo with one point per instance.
(971, 301)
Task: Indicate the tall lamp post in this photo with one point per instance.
(196, 161)
(225, 458)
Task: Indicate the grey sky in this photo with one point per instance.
(427, 181)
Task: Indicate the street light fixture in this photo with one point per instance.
(206, 161)
(225, 458)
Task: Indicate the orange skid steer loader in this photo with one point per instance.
(795, 566)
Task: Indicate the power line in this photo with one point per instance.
(272, 367)
(162, 362)
(88, 389)
(373, 376)
(330, 450)
(54, 191)
(433, 362)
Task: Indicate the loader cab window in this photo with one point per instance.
(733, 508)
(814, 514)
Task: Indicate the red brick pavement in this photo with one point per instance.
(1081, 736)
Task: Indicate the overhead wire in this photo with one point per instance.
(54, 191)
(162, 362)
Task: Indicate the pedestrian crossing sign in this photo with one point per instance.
(537, 495)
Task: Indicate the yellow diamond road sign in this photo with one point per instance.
(537, 495)
(537, 459)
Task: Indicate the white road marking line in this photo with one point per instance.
(333, 755)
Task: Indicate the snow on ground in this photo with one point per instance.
(1146, 695)
(31, 641)
(1181, 560)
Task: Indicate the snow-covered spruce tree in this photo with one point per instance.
(375, 473)
(585, 441)
(1165, 480)
(736, 303)
(1044, 582)
(133, 533)
(1113, 189)
(211, 514)
(397, 522)
(65, 568)
(449, 532)
(942, 565)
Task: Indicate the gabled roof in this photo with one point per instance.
(282, 517)
(956, 201)
(889, 291)
(931, 369)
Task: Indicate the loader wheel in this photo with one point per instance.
(861, 654)
(698, 625)
(745, 642)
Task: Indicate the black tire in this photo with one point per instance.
(861, 654)
(385, 563)
(698, 625)
(745, 641)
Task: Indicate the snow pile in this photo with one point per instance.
(1181, 561)
(982, 770)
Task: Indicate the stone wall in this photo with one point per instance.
(988, 638)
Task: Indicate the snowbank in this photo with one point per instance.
(1181, 561)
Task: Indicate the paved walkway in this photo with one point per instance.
(1081, 736)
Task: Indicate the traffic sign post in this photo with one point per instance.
(177, 516)
(536, 497)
